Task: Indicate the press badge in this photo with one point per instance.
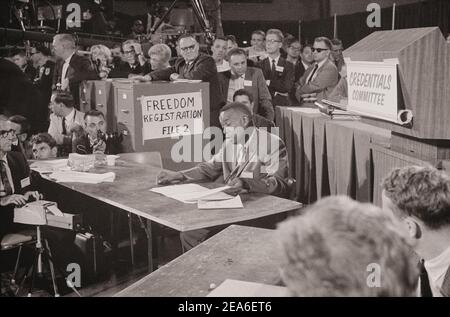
(268, 82)
(248, 83)
(25, 182)
(279, 69)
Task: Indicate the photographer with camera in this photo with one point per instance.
(94, 139)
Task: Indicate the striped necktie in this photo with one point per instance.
(7, 189)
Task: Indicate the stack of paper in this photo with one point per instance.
(81, 177)
(206, 198)
(49, 166)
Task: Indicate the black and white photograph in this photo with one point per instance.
(226, 155)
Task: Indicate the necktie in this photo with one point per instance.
(4, 176)
(274, 67)
(425, 289)
(313, 73)
(64, 129)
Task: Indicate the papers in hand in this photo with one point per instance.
(192, 193)
(81, 177)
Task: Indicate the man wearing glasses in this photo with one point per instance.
(14, 179)
(134, 64)
(194, 65)
(279, 73)
(321, 77)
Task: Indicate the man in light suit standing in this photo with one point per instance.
(250, 78)
(64, 120)
(321, 77)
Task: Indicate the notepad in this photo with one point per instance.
(81, 177)
(234, 203)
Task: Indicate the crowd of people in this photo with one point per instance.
(328, 249)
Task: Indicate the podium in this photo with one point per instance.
(423, 81)
(152, 114)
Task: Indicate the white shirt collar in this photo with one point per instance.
(69, 117)
(322, 63)
(436, 269)
(276, 60)
(4, 158)
(306, 66)
(69, 58)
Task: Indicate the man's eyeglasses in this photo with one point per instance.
(129, 52)
(7, 133)
(188, 48)
(272, 41)
(295, 48)
(319, 50)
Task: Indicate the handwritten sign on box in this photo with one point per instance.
(165, 116)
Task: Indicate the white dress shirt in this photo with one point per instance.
(234, 85)
(314, 75)
(64, 79)
(436, 269)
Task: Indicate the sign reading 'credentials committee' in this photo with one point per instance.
(372, 89)
(165, 116)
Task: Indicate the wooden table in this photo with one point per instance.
(241, 253)
(131, 192)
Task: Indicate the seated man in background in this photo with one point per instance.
(21, 142)
(135, 63)
(419, 199)
(245, 97)
(342, 248)
(94, 139)
(250, 160)
(320, 78)
(19, 57)
(239, 77)
(219, 51)
(44, 146)
(64, 119)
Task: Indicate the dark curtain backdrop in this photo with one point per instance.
(352, 28)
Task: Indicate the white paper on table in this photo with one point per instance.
(81, 177)
(49, 166)
(188, 193)
(234, 203)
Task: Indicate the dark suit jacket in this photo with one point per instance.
(323, 84)
(113, 145)
(258, 89)
(123, 70)
(80, 68)
(281, 82)
(203, 68)
(44, 82)
(19, 171)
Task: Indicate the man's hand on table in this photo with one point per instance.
(236, 187)
(20, 200)
(169, 177)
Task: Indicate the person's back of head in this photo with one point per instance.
(340, 247)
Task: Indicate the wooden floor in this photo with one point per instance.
(121, 274)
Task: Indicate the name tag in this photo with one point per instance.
(268, 82)
(25, 182)
(279, 69)
(248, 83)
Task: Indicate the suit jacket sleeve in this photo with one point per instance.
(204, 69)
(265, 100)
(208, 171)
(286, 82)
(84, 70)
(275, 182)
(163, 74)
(328, 77)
